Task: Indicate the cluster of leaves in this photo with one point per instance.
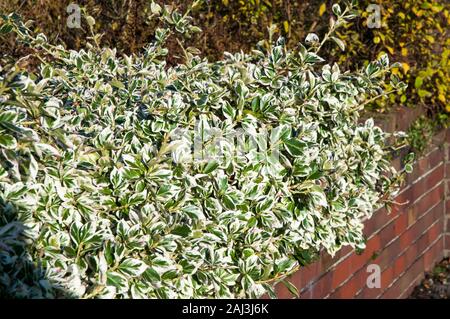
(420, 134)
(98, 197)
(123, 23)
(415, 33)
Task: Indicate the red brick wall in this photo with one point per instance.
(403, 243)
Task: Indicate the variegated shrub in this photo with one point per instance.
(111, 183)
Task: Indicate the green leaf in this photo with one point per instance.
(155, 8)
(285, 265)
(136, 199)
(339, 42)
(210, 167)
(313, 58)
(116, 178)
(83, 233)
(47, 149)
(294, 147)
(151, 275)
(408, 168)
(90, 21)
(8, 141)
(132, 267)
(8, 116)
(229, 202)
(292, 289)
(6, 28)
(169, 275)
(117, 280)
(161, 174)
(183, 231)
(318, 196)
(418, 83)
(117, 84)
(194, 212)
(336, 9)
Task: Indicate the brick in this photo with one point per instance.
(434, 254)
(405, 198)
(282, 292)
(400, 287)
(344, 252)
(411, 254)
(436, 157)
(389, 254)
(447, 189)
(366, 292)
(429, 200)
(309, 273)
(439, 138)
(387, 234)
(428, 182)
(306, 294)
(400, 224)
(370, 293)
(447, 241)
(322, 287)
(414, 250)
(341, 273)
(435, 177)
(387, 122)
(327, 261)
(435, 231)
(447, 135)
(407, 292)
(447, 207)
(396, 290)
(350, 288)
(380, 219)
(405, 117)
(426, 220)
(372, 249)
(406, 239)
(425, 164)
(399, 265)
(420, 167)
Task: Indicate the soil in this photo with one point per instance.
(436, 284)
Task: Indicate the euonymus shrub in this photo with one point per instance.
(123, 177)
